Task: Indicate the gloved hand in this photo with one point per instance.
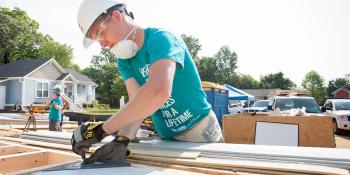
(84, 136)
(114, 151)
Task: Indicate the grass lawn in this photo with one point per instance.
(96, 111)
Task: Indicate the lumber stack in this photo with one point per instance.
(218, 156)
(20, 159)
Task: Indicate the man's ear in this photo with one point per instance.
(116, 15)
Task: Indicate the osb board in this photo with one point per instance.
(313, 131)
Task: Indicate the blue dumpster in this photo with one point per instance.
(218, 98)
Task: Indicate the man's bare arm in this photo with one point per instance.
(148, 98)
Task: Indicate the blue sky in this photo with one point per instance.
(292, 36)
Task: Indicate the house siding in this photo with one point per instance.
(30, 91)
(93, 94)
(6, 96)
(13, 92)
(49, 71)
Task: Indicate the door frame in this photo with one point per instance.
(2, 104)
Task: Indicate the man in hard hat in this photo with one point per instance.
(161, 80)
(56, 105)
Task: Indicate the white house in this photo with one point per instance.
(26, 81)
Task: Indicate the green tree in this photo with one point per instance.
(20, 39)
(226, 61)
(208, 69)
(62, 53)
(274, 81)
(193, 45)
(333, 85)
(244, 81)
(18, 35)
(314, 83)
(106, 75)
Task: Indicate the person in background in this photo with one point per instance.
(56, 105)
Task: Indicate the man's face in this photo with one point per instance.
(54, 95)
(107, 30)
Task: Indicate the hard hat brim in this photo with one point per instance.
(87, 42)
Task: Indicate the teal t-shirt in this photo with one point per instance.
(54, 113)
(188, 104)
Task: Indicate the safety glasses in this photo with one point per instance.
(100, 29)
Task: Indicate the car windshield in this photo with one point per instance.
(261, 104)
(290, 103)
(342, 106)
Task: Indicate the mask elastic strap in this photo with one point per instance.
(127, 36)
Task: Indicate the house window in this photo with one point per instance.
(42, 90)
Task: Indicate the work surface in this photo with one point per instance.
(114, 171)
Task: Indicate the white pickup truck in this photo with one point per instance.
(339, 109)
(285, 103)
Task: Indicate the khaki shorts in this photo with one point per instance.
(206, 131)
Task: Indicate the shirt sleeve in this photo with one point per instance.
(124, 69)
(165, 45)
(60, 102)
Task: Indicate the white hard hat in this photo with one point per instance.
(89, 11)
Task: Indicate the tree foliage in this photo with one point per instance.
(193, 45)
(314, 83)
(226, 61)
(20, 39)
(244, 81)
(276, 81)
(104, 72)
(333, 85)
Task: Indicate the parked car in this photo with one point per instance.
(339, 109)
(284, 103)
(234, 108)
(258, 106)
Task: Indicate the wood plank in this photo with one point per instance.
(38, 143)
(61, 158)
(43, 139)
(184, 168)
(283, 168)
(12, 163)
(8, 150)
(168, 154)
(240, 149)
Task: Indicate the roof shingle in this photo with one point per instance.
(20, 68)
(78, 76)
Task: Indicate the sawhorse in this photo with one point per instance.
(31, 120)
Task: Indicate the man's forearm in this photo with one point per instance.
(130, 130)
(147, 100)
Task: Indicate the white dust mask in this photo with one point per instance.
(126, 49)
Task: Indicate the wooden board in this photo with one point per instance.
(249, 166)
(145, 152)
(168, 154)
(313, 131)
(12, 163)
(38, 122)
(8, 150)
(19, 158)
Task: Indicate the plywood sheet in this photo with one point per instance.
(313, 131)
